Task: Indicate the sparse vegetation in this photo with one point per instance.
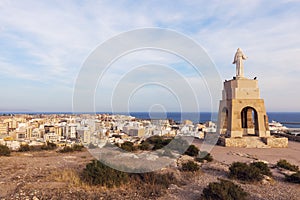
(152, 184)
(96, 173)
(286, 165)
(190, 166)
(223, 190)
(49, 146)
(128, 146)
(158, 142)
(192, 151)
(24, 148)
(67, 175)
(78, 147)
(4, 150)
(263, 167)
(67, 149)
(144, 146)
(203, 155)
(293, 178)
(244, 172)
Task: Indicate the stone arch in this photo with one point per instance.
(249, 121)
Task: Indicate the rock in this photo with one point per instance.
(265, 182)
(173, 187)
(35, 198)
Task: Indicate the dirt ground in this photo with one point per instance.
(52, 175)
(272, 155)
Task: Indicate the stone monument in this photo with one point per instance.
(242, 114)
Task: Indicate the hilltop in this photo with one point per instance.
(53, 175)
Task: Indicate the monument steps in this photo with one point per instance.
(255, 142)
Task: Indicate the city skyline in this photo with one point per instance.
(44, 44)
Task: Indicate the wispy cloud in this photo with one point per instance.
(46, 42)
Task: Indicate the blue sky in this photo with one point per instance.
(43, 45)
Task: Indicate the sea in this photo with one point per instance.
(283, 117)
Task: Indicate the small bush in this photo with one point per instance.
(263, 167)
(48, 146)
(67, 149)
(204, 156)
(244, 172)
(4, 150)
(286, 165)
(152, 184)
(144, 146)
(190, 166)
(223, 190)
(154, 139)
(96, 173)
(192, 151)
(161, 144)
(77, 147)
(158, 142)
(294, 178)
(128, 146)
(24, 148)
(164, 180)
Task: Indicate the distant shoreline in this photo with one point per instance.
(196, 117)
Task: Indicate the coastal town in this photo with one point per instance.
(88, 129)
(96, 130)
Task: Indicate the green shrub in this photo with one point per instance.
(153, 178)
(96, 173)
(244, 172)
(4, 150)
(152, 184)
(293, 178)
(75, 147)
(158, 142)
(128, 146)
(48, 146)
(223, 190)
(203, 155)
(158, 146)
(154, 139)
(78, 147)
(144, 146)
(24, 147)
(192, 151)
(190, 166)
(286, 165)
(263, 167)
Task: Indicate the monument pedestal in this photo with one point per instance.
(242, 120)
(242, 112)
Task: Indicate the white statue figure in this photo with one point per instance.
(238, 60)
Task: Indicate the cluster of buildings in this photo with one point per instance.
(87, 129)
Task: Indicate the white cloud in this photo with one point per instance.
(54, 38)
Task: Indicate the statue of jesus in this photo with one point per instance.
(238, 60)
